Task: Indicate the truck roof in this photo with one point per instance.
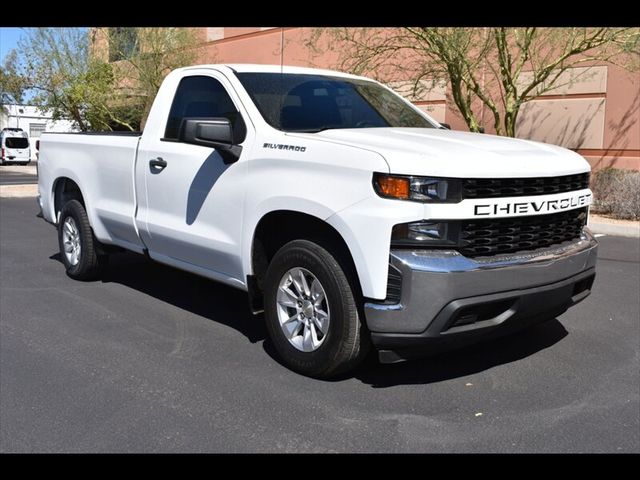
(259, 68)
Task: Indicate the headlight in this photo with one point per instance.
(425, 233)
(418, 189)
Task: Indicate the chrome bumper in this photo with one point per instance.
(434, 280)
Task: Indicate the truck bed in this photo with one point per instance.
(102, 162)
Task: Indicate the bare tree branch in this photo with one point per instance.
(502, 68)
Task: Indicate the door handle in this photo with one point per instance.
(158, 163)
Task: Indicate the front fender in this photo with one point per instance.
(366, 228)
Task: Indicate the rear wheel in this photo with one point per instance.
(311, 311)
(77, 243)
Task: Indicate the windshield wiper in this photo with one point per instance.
(312, 130)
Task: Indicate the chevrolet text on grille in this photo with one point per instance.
(532, 206)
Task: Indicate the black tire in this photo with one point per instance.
(347, 340)
(89, 264)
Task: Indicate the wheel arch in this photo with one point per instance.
(278, 227)
(65, 189)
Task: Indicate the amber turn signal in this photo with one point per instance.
(394, 187)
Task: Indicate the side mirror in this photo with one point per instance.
(445, 126)
(211, 132)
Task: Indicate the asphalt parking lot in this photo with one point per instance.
(151, 359)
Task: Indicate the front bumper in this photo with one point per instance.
(448, 300)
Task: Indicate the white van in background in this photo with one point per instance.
(14, 146)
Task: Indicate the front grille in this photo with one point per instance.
(518, 187)
(508, 235)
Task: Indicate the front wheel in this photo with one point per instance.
(311, 311)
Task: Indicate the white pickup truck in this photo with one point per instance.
(350, 216)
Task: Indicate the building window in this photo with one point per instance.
(123, 43)
(215, 33)
(36, 129)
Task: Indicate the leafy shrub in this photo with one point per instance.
(617, 193)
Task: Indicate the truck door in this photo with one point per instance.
(190, 205)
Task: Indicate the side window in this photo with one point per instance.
(203, 97)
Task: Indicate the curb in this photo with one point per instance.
(28, 169)
(632, 231)
(16, 191)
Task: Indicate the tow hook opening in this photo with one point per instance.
(494, 312)
(582, 288)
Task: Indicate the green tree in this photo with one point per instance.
(113, 93)
(68, 82)
(144, 56)
(12, 84)
(500, 68)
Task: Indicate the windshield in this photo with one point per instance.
(312, 103)
(16, 142)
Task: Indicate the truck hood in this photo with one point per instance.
(446, 153)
